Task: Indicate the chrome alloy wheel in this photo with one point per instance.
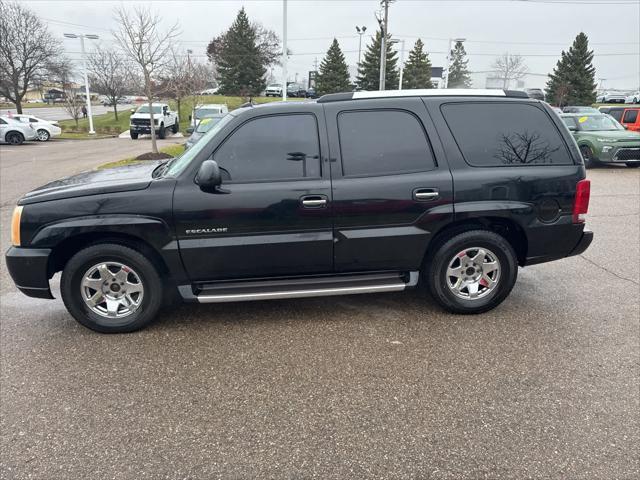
(473, 273)
(112, 290)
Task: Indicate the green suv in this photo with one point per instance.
(603, 140)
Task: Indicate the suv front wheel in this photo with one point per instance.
(111, 288)
(472, 272)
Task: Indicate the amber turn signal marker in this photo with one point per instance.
(15, 226)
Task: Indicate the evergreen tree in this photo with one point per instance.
(573, 79)
(333, 76)
(240, 61)
(417, 70)
(459, 72)
(369, 70)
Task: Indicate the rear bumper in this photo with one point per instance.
(583, 244)
(28, 268)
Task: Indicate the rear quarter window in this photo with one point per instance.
(505, 134)
(630, 116)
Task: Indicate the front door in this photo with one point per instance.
(272, 214)
(392, 187)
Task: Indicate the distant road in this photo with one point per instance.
(59, 113)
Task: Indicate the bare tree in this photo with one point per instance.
(110, 74)
(61, 72)
(524, 148)
(509, 67)
(184, 77)
(26, 46)
(142, 41)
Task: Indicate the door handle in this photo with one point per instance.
(314, 201)
(425, 194)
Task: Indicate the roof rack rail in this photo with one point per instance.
(432, 92)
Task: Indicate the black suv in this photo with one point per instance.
(353, 193)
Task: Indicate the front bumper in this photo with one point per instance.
(619, 154)
(28, 268)
(141, 128)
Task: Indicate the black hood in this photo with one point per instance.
(93, 182)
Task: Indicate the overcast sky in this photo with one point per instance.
(536, 29)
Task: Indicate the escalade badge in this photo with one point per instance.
(196, 231)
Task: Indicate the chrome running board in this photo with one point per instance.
(324, 287)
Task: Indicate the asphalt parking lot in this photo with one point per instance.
(370, 386)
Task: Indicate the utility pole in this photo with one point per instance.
(384, 23)
(193, 96)
(449, 58)
(401, 63)
(86, 76)
(284, 50)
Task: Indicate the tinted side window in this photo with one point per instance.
(630, 116)
(499, 134)
(379, 142)
(2, 122)
(279, 147)
(616, 113)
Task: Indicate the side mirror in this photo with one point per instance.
(572, 128)
(190, 130)
(208, 177)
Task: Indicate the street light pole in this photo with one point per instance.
(401, 63)
(86, 76)
(360, 33)
(284, 50)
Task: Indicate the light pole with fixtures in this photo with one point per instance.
(360, 31)
(86, 76)
(401, 42)
(452, 41)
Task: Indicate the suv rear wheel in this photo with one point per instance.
(111, 288)
(472, 272)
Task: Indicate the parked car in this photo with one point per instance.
(202, 111)
(164, 118)
(311, 93)
(579, 109)
(204, 125)
(630, 118)
(45, 129)
(296, 90)
(611, 97)
(601, 139)
(273, 90)
(633, 97)
(35, 100)
(253, 211)
(535, 93)
(15, 132)
(210, 91)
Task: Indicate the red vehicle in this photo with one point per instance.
(631, 118)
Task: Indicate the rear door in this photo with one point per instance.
(391, 185)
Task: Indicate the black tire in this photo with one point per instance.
(587, 155)
(14, 138)
(134, 135)
(70, 287)
(633, 165)
(176, 127)
(161, 132)
(43, 135)
(435, 271)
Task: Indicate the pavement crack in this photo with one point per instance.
(609, 271)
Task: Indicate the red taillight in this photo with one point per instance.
(581, 202)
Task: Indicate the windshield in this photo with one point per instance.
(274, 85)
(598, 123)
(204, 112)
(207, 123)
(145, 109)
(178, 164)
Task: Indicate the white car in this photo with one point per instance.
(273, 90)
(202, 111)
(15, 132)
(633, 97)
(209, 91)
(44, 128)
(611, 97)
